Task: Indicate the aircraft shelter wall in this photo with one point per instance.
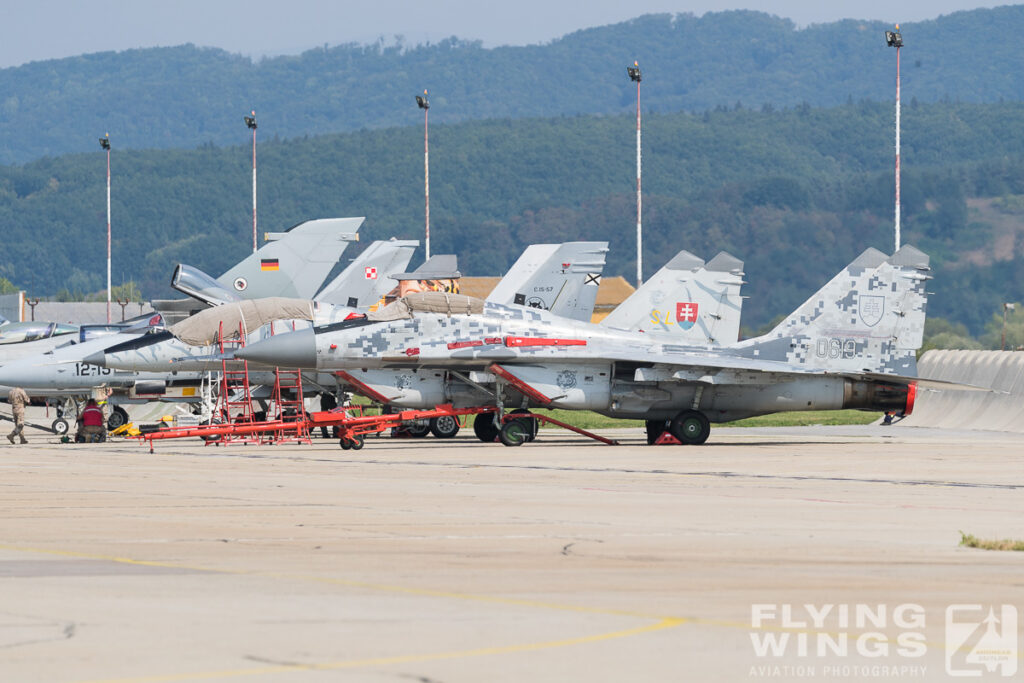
(1000, 410)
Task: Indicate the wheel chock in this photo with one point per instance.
(666, 439)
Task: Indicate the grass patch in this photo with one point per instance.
(972, 541)
(808, 417)
(584, 419)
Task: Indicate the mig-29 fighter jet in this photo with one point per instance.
(850, 345)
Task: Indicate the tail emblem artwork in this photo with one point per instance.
(686, 314)
(269, 264)
(371, 273)
(241, 283)
(871, 308)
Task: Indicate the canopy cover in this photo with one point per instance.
(239, 318)
(428, 302)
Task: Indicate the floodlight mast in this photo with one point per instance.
(634, 74)
(105, 145)
(250, 121)
(895, 39)
(423, 103)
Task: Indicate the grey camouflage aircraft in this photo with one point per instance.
(850, 345)
(708, 294)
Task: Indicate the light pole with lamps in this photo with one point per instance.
(250, 121)
(895, 39)
(634, 75)
(105, 144)
(423, 103)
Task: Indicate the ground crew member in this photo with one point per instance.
(90, 422)
(18, 400)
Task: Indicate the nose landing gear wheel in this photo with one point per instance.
(60, 426)
(691, 427)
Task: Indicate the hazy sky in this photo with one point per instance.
(45, 29)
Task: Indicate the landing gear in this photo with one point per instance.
(444, 427)
(60, 426)
(486, 427)
(691, 427)
(118, 418)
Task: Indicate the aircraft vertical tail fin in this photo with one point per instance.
(368, 277)
(868, 318)
(696, 301)
(562, 278)
(293, 263)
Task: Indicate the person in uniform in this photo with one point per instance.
(18, 400)
(90, 423)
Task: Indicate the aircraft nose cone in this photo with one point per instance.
(96, 358)
(290, 350)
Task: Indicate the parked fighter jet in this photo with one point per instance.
(851, 345)
(566, 274)
(295, 261)
(709, 294)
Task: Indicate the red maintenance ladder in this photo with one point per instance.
(234, 405)
(289, 408)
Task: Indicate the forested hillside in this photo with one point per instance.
(796, 192)
(181, 97)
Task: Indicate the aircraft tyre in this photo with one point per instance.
(514, 433)
(417, 428)
(691, 427)
(444, 427)
(60, 426)
(118, 418)
(655, 428)
(485, 426)
(532, 423)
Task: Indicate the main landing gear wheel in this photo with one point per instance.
(444, 427)
(515, 432)
(118, 418)
(60, 426)
(655, 428)
(486, 428)
(691, 427)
